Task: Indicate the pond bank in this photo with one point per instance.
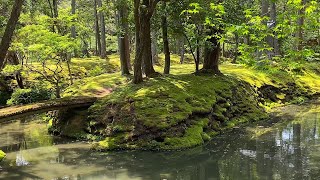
(185, 110)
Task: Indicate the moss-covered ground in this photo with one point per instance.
(2, 155)
(180, 110)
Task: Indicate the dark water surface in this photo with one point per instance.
(286, 150)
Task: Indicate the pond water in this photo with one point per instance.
(268, 150)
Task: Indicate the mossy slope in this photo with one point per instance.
(183, 110)
(172, 112)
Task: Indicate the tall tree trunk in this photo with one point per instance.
(56, 14)
(127, 38)
(236, 51)
(73, 12)
(198, 56)
(103, 53)
(137, 78)
(212, 53)
(265, 13)
(145, 35)
(97, 29)
(300, 24)
(165, 41)
(123, 38)
(154, 47)
(51, 13)
(73, 27)
(143, 16)
(11, 25)
(273, 15)
(182, 50)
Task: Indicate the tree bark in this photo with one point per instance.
(56, 14)
(73, 12)
(212, 53)
(103, 53)
(123, 40)
(7, 36)
(236, 51)
(273, 15)
(182, 51)
(300, 24)
(154, 47)
(265, 13)
(97, 29)
(145, 35)
(165, 41)
(137, 77)
(143, 14)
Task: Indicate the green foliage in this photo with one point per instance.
(26, 96)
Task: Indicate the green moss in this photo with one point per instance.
(193, 136)
(2, 155)
(175, 98)
(111, 143)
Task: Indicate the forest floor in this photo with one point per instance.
(182, 110)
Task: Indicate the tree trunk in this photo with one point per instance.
(145, 35)
(265, 12)
(212, 53)
(300, 23)
(57, 88)
(103, 53)
(51, 13)
(69, 68)
(154, 47)
(56, 14)
(143, 16)
(273, 15)
(127, 38)
(73, 12)
(97, 29)
(11, 25)
(123, 38)
(198, 56)
(182, 51)
(137, 78)
(165, 41)
(236, 51)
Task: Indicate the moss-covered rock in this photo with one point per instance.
(2, 155)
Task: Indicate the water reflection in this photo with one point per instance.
(287, 150)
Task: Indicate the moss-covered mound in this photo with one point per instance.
(2, 155)
(172, 112)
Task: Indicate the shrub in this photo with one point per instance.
(26, 96)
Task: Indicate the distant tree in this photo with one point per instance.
(11, 25)
(166, 49)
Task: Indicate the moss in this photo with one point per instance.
(2, 155)
(165, 112)
(193, 136)
(111, 143)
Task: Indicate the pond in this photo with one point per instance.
(289, 149)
